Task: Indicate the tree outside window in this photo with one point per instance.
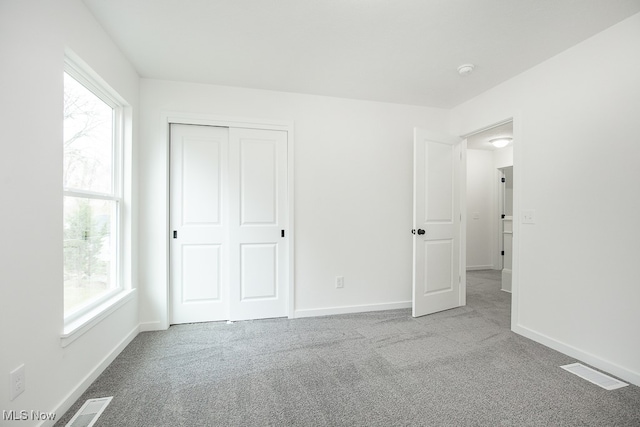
(91, 197)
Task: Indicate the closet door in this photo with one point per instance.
(229, 207)
(199, 201)
(258, 235)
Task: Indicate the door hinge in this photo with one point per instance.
(175, 234)
(502, 253)
(503, 179)
(281, 233)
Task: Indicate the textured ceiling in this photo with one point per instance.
(402, 51)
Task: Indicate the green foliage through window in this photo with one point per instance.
(91, 199)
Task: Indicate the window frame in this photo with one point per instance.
(89, 310)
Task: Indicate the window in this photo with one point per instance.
(92, 191)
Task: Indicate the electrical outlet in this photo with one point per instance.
(339, 282)
(529, 216)
(17, 381)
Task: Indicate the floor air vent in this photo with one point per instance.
(89, 413)
(591, 375)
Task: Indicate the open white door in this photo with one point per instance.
(438, 269)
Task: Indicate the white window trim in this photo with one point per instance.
(78, 322)
(73, 330)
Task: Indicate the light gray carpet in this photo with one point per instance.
(462, 367)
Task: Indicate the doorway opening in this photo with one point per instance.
(489, 216)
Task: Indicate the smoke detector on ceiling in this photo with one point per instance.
(465, 69)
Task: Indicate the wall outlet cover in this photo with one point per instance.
(17, 382)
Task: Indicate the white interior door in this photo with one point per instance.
(199, 224)
(437, 242)
(229, 212)
(259, 243)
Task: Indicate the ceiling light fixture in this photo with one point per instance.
(500, 142)
(465, 69)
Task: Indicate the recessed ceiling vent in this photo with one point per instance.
(593, 376)
(88, 414)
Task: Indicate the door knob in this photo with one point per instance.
(421, 232)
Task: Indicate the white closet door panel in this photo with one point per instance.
(201, 181)
(258, 271)
(259, 274)
(200, 273)
(258, 181)
(199, 200)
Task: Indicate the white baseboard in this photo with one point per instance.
(588, 358)
(152, 326)
(351, 309)
(479, 267)
(75, 394)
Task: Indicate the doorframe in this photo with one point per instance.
(517, 141)
(502, 207)
(172, 117)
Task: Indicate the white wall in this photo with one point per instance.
(33, 37)
(481, 210)
(353, 191)
(503, 157)
(576, 154)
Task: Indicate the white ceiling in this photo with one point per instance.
(402, 51)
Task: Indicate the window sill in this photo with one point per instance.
(75, 329)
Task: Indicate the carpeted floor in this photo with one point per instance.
(462, 367)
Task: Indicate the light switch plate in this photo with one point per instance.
(528, 216)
